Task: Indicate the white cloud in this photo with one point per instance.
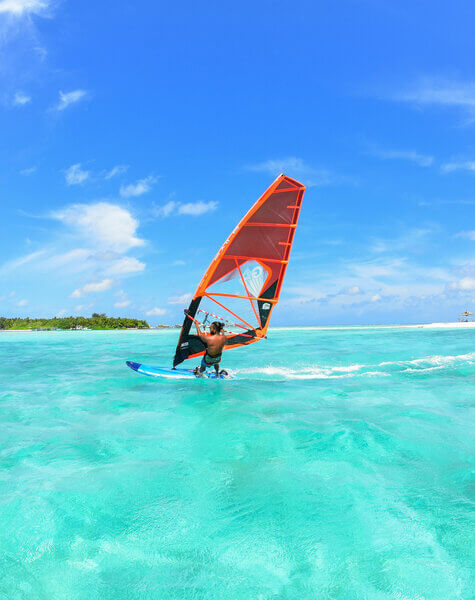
(122, 304)
(467, 234)
(6, 296)
(142, 186)
(20, 99)
(22, 302)
(409, 240)
(61, 313)
(24, 7)
(458, 166)
(155, 312)
(77, 254)
(69, 98)
(197, 208)
(108, 225)
(353, 290)
(194, 209)
(466, 283)
(167, 209)
(296, 167)
(183, 299)
(19, 262)
(99, 286)
(117, 170)
(79, 307)
(448, 94)
(127, 264)
(41, 52)
(29, 171)
(75, 175)
(374, 269)
(423, 160)
(376, 298)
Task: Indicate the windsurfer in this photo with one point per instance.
(214, 342)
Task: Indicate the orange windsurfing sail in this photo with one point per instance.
(242, 284)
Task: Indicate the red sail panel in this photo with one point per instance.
(242, 284)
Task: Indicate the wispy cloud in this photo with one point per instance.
(69, 98)
(28, 171)
(23, 302)
(22, 260)
(107, 225)
(183, 299)
(447, 94)
(95, 287)
(20, 99)
(124, 265)
(412, 240)
(194, 209)
(115, 171)
(468, 165)
(75, 174)
(442, 202)
(470, 235)
(155, 312)
(423, 160)
(407, 274)
(77, 255)
(41, 52)
(105, 231)
(466, 284)
(142, 186)
(297, 167)
(24, 7)
(7, 296)
(122, 303)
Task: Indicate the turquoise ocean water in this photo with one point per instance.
(336, 466)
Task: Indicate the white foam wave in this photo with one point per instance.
(309, 372)
(409, 370)
(436, 360)
(428, 363)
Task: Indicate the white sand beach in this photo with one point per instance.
(458, 324)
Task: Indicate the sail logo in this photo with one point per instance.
(254, 279)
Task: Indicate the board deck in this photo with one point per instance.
(168, 373)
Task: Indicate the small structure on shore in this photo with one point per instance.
(465, 316)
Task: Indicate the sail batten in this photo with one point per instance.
(248, 271)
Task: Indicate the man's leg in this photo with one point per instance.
(203, 365)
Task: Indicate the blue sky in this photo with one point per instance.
(134, 135)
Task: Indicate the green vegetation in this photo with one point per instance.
(96, 321)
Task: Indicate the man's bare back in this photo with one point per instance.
(215, 343)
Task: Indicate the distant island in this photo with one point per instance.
(95, 321)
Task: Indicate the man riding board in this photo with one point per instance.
(214, 341)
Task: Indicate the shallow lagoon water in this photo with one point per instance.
(336, 466)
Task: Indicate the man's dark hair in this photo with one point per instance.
(217, 325)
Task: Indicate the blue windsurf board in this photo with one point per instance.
(167, 373)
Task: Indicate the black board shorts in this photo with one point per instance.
(209, 361)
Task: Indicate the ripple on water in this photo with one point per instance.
(336, 465)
